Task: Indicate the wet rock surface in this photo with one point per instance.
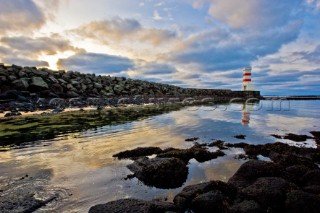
(289, 183)
(162, 173)
(29, 193)
(138, 152)
(133, 206)
(197, 152)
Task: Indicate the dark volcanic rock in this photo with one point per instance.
(247, 206)
(218, 143)
(191, 139)
(133, 206)
(312, 177)
(240, 137)
(197, 152)
(184, 199)
(269, 192)
(210, 201)
(297, 138)
(160, 172)
(301, 202)
(138, 152)
(252, 170)
(277, 136)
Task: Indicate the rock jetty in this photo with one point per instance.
(36, 85)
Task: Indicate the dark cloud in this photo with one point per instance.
(20, 16)
(96, 63)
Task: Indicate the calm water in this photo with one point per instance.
(82, 170)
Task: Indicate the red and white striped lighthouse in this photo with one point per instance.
(247, 82)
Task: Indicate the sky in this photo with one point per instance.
(188, 43)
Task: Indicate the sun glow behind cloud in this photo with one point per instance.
(193, 43)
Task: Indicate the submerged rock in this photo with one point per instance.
(197, 152)
(133, 206)
(138, 152)
(191, 139)
(297, 138)
(162, 173)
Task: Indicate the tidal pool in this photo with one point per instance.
(80, 166)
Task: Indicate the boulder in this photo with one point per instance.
(302, 202)
(160, 172)
(37, 83)
(184, 199)
(247, 206)
(269, 192)
(252, 170)
(20, 84)
(213, 201)
(133, 206)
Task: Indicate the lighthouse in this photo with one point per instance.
(246, 82)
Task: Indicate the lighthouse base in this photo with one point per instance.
(248, 87)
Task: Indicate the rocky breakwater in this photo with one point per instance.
(28, 84)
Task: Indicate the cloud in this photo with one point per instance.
(20, 16)
(37, 45)
(96, 63)
(254, 14)
(314, 3)
(119, 29)
(25, 62)
(220, 49)
(156, 16)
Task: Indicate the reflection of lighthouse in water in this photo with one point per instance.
(247, 107)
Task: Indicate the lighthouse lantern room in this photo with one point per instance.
(247, 83)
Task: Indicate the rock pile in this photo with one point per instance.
(22, 83)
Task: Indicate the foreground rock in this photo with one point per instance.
(197, 152)
(290, 183)
(138, 152)
(29, 193)
(133, 206)
(162, 173)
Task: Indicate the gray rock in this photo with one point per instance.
(53, 79)
(98, 86)
(20, 84)
(38, 83)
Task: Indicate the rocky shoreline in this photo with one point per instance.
(31, 88)
(289, 182)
